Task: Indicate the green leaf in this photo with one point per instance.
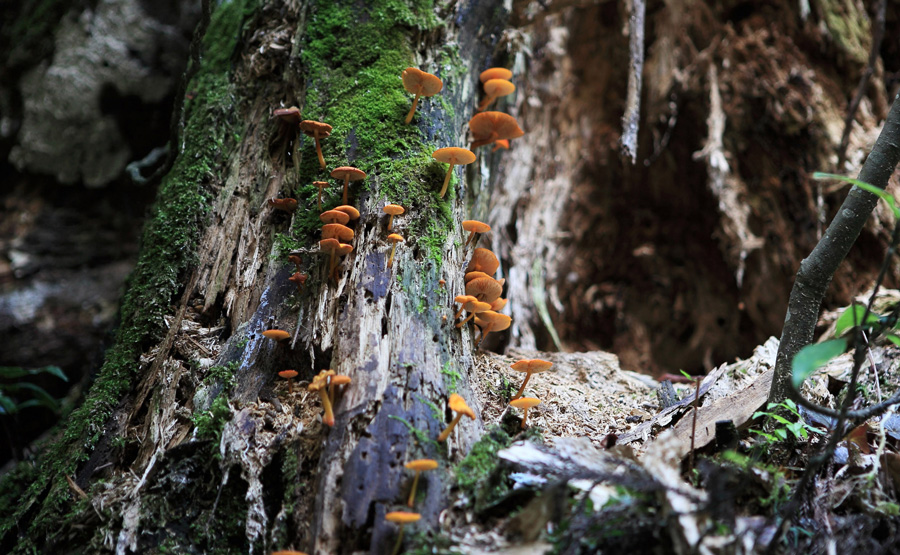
(16, 372)
(853, 317)
(813, 357)
(7, 405)
(41, 396)
(893, 339)
(881, 193)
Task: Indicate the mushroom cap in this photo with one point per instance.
(334, 217)
(490, 126)
(532, 366)
(463, 299)
(454, 155)
(393, 209)
(344, 249)
(483, 260)
(340, 379)
(320, 381)
(499, 304)
(277, 335)
(493, 87)
(421, 83)
(310, 127)
(349, 210)
(288, 374)
(298, 277)
(525, 402)
(343, 172)
(395, 238)
(476, 307)
(402, 517)
(501, 143)
(495, 73)
(422, 464)
(458, 404)
(320, 184)
(485, 289)
(290, 115)
(337, 231)
(328, 245)
(497, 321)
(476, 226)
(474, 275)
(286, 204)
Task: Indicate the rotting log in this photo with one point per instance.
(188, 428)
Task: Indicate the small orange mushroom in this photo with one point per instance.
(488, 127)
(317, 130)
(455, 156)
(459, 406)
(330, 246)
(342, 250)
(296, 260)
(483, 260)
(334, 382)
(473, 308)
(474, 227)
(500, 143)
(352, 212)
(337, 231)
(495, 73)
(320, 384)
(490, 321)
(348, 174)
(276, 334)
(494, 89)
(525, 403)
(529, 366)
(320, 185)
(334, 217)
(402, 518)
(419, 83)
(498, 305)
(283, 204)
(462, 300)
(299, 279)
(418, 466)
(289, 118)
(474, 275)
(289, 375)
(392, 210)
(484, 289)
(393, 238)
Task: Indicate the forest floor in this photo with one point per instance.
(603, 467)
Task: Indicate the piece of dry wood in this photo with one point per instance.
(738, 408)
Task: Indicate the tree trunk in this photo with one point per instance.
(190, 364)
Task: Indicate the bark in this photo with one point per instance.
(817, 270)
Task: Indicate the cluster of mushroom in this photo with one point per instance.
(325, 383)
(291, 126)
(482, 299)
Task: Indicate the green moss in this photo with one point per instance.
(477, 475)
(849, 27)
(451, 377)
(421, 435)
(167, 253)
(210, 423)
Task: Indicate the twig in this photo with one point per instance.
(877, 37)
(632, 117)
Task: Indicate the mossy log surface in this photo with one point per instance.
(188, 440)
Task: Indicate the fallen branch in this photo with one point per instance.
(632, 117)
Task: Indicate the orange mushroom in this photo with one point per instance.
(474, 275)
(294, 258)
(474, 227)
(335, 381)
(473, 308)
(342, 250)
(495, 73)
(454, 156)
(348, 174)
(459, 406)
(330, 246)
(352, 212)
(290, 118)
(393, 238)
(491, 321)
(529, 366)
(462, 300)
(392, 210)
(500, 143)
(488, 127)
(525, 403)
(319, 185)
(320, 384)
(334, 217)
(402, 518)
(418, 466)
(289, 375)
(276, 334)
(283, 204)
(299, 279)
(317, 130)
(484, 289)
(494, 89)
(419, 83)
(337, 231)
(483, 260)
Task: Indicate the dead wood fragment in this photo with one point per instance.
(631, 118)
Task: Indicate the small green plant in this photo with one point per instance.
(222, 372)
(15, 396)
(797, 429)
(210, 423)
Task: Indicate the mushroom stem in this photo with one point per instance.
(412, 111)
(484, 332)
(290, 386)
(463, 323)
(328, 419)
(524, 383)
(446, 433)
(319, 201)
(346, 187)
(524, 417)
(399, 539)
(390, 221)
(412, 494)
(447, 181)
(319, 149)
(485, 103)
(469, 240)
(391, 258)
